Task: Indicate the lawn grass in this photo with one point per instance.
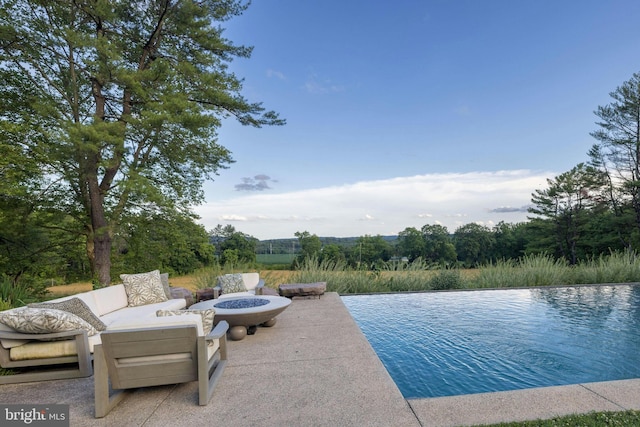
(593, 419)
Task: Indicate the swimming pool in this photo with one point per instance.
(463, 342)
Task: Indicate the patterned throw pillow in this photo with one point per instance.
(77, 307)
(143, 288)
(231, 283)
(207, 316)
(30, 320)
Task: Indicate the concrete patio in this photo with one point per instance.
(315, 368)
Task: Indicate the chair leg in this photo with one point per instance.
(210, 370)
(104, 402)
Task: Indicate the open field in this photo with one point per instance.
(272, 279)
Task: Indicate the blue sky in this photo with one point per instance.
(406, 113)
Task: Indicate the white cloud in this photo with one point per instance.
(316, 86)
(381, 207)
(276, 74)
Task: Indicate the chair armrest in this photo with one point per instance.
(259, 287)
(219, 331)
(41, 337)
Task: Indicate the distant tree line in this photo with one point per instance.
(590, 210)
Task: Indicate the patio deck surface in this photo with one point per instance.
(316, 368)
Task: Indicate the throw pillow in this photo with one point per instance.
(77, 307)
(231, 283)
(207, 316)
(143, 288)
(30, 320)
(164, 278)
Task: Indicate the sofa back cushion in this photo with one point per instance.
(250, 280)
(110, 299)
(231, 283)
(144, 288)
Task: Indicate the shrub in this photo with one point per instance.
(22, 292)
(446, 279)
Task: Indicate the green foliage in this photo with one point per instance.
(310, 245)
(411, 243)
(446, 279)
(233, 246)
(474, 244)
(529, 271)
(207, 277)
(439, 248)
(230, 257)
(169, 242)
(17, 294)
(618, 267)
(122, 116)
(567, 205)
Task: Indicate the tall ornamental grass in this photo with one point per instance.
(528, 271)
(20, 293)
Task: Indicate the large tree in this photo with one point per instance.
(411, 243)
(567, 204)
(617, 153)
(474, 244)
(119, 103)
(439, 247)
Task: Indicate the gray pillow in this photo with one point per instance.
(164, 278)
(77, 307)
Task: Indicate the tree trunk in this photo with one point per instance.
(100, 236)
(102, 247)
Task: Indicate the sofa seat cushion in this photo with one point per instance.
(141, 312)
(237, 294)
(43, 350)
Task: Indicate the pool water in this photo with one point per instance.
(462, 342)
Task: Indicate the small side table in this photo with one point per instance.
(308, 290)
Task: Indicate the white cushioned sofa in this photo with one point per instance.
(64, 331)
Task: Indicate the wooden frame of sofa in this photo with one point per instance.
(81, 362)
(143, 357)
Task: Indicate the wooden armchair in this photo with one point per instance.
(157, 356)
